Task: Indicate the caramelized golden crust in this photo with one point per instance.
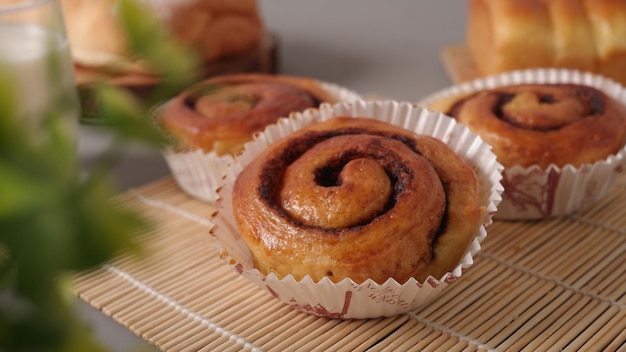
(501, 34)
(586, 35)
(223, 113)
(357, 198)
(608, 23)
(543, 124)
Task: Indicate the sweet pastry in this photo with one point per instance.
(331, 297)
(585, 35)
(358, 198)
(222, 114)
(214, 29)
(542, 124)
(561, 142)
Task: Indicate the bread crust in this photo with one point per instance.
(586, 35)
(501, 34)
(608, 19)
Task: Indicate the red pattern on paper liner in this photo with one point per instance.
(382, 294)
(527, 192)
(239, 268)
(377, 294)
(317, 309)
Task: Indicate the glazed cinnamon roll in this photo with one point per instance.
(543, 124)
(357, 198)
(221, 114)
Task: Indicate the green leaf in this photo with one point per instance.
(126, 117)
(176, 64)
(19, 193)
(51, 221)
(8, 109)
(105, 227)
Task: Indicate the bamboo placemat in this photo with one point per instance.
(556, 284)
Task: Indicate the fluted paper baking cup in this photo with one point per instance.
(200, 173)
(348, 299)
(532, 193)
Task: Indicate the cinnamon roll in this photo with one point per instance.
(357, 198)
(221, 114)
(215, 30)
(542, 124)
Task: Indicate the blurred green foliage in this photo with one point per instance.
(54, 221)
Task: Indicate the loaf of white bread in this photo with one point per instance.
(216, 29)
(587, 35)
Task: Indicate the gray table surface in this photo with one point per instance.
(386, 48)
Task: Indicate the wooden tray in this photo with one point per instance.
(550, 285)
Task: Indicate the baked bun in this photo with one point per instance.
(542, 124)
(215, 29)
(586, 35)
(221, 114)
(357, 198)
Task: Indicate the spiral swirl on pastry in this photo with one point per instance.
(357, 198)
(223, 113)
(543, 124)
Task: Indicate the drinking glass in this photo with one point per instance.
(35, 58)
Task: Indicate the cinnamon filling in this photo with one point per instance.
(545, 110)
(218, 99)
(329, 175)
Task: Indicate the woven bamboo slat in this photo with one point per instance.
(556, 284)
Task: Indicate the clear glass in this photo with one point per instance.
(34, 55)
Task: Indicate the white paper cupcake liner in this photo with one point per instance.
(535, 193)
(348, 299)
(200, 173)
